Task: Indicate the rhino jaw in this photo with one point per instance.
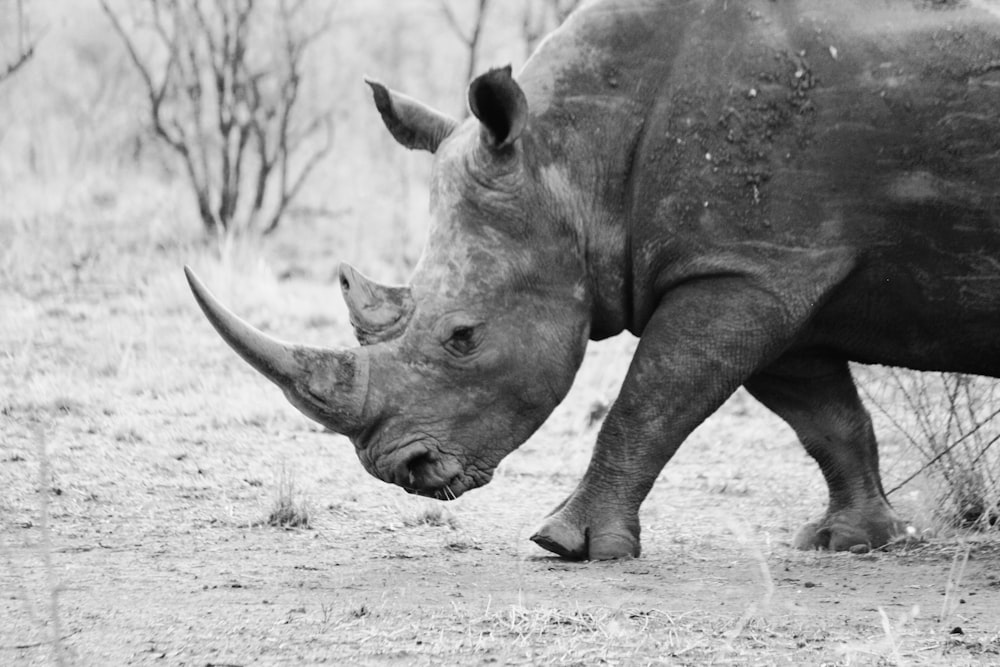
(328, 386)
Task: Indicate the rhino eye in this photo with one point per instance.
(462, 341)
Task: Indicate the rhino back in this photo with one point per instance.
(723, 128)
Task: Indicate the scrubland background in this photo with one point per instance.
(76, 138)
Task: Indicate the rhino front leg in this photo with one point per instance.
(704, 340)
(818, 399)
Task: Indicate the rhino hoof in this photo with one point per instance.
(813, 536)
(572, 544)
(609, 546)
(562, 540)
(847, 531)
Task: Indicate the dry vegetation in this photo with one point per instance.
(950, 422)
(290, 510)
(141, 463)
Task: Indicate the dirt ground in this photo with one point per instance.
(140, 459)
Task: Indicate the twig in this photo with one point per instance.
(25, 51)
(46, 546)
(947, 449)
(952, 585)
(470, 39)
(21, 647)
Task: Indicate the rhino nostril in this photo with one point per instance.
(419, 469)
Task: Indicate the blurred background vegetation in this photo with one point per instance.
(78, 132)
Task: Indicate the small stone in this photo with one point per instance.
(860, 549)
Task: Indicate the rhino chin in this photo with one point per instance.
(453, 489)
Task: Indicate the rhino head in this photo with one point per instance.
(460, 367)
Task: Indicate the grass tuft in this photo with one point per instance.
(435, 515)
(289, 511)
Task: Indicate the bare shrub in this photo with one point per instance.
(537, 18)
(223, 81)
(951, 420)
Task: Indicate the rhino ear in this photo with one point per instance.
(413, 124)
(500, 105)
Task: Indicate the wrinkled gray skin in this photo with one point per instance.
(712, 176)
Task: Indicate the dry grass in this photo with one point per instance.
(539, 634)
(290, 509)
(952, 423)
(583, 635)
(435, 515)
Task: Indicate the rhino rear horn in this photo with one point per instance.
(378, 312)
(329, 386)
(413, 124)
(500, 105)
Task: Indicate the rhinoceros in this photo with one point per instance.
(763, 191)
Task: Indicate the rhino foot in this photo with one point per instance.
(851, 530)
(574, 536)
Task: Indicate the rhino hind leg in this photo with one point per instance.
(849, 529)
(819, 400)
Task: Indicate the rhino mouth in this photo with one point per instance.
(422, 469)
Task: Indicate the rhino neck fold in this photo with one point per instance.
(592, 101)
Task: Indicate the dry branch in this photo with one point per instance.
(224, 95)
(469, 37)
(25, 46)
(541, 17)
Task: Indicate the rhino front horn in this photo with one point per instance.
(329, 386)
